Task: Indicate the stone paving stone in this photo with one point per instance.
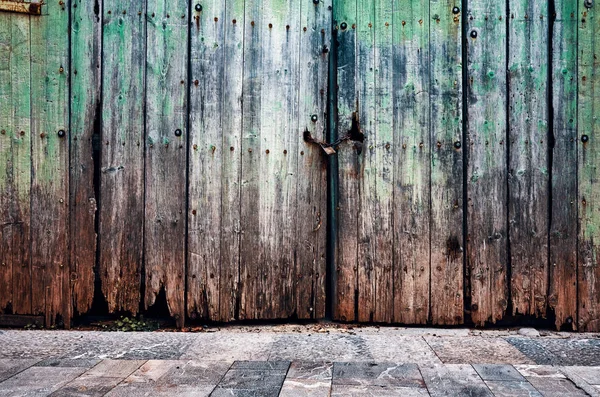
(377, 374)
(581, 352)
(38, 381)
(262, 365)
(589, 374)
(552, 387)
(10, 367)
(498, 372)
(305, 388)
(533, 349)
(230, 346)
(133, 346)
(574, 375)
(319, 347)
(41, 344)
(376, 391)
(146, 390)
(65, 362)
(310, 370)
(251, 382)
(513, 389)
(456, 350)
(399, 349)
(179, 372)
(454, 380)
(543, 371)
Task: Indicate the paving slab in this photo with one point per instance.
(262, 365)
(540, 371)
(376, 391)
(146, 390)
(454, 380)
(574, 375)
(310, 370)
(179, 372)
(513, 389)
(394, 348)
(67, 362)
(495, 372)
(533, 349)
(38, 381)
(12, 366)
(459, 350)
(377, 374)
(230, 346)
(319, 347)
(251, 382)
(589, 374)
(552, 387)
(305, 388)
(574, 352)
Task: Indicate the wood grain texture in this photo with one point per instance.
(563, 228)
(310, 273)
(121, 199)
(412, 169)
(447, 252)
(86, 31)
(15, 164)
(528, 174)
(50, 161)
(487, 252)
(166, 152)
(589, 170)
(348, 154)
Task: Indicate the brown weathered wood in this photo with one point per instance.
(121, 198)
(20, 321)
(487, 250)
(588, 126)
(50, 161)
(447, 252)
(85, 100)
(166, 151)
(563, 228)
(528, 174)
(412, 162)
(310, 274)
(15, 164)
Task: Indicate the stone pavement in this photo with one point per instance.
(300, 360)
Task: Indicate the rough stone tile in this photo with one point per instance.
(377, 374)
(589, 374)
(543, 371)
(258, 391)
(574, 352)
(147, 390)
(552, 387)
(230, 346)
(533, 349)
(10, 366)
(133, 346)
(66, 362)
(310, 370)
(262, 365)
(41, 344)
(319, 347)
(498, 372)
(513, 389)
(454, 380)
(114, 368)
(376, 391)
(394, 348)
(38, 381)
(574, 375)
(456, 350)
(91, 386)
(305, 388)
(249, 379)
(179, 372)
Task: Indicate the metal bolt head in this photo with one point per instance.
(457, 145)
(61, 133)
(456, 10)
(316, 2)
(314, 118)
(325, 49)
(178, 132)
(198, 7)
(585, 138)
(589, 3)
(344, 26)
(473, 34)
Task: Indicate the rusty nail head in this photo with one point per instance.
(585, 138)
(456, 10)
(314, 118)
(198, 7)
(61, 133)
(474, 307)
(178, 132)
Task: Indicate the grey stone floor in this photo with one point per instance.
(295, 360)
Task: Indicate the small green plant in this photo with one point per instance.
(131, 324)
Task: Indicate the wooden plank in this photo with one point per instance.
(447, 252)
(348, 154)
(412, 162)
(50, 160)
(270, 163)
(15, 164)
(589, 172)
(487, 253)
(563, 229)
(206, 159)
(166, 148)
(20, 321)
(121, 198)
(528, 174)
(315, 47)
(85, 101)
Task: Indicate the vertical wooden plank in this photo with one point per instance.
(589, 170)
(50, 160)
(447, 253)
(412, 162)
(563, 229)
(166, 151)
(345, 14)
(528, 175)
(86, 31)
(121, 199)
(487, 253)
(206, 159)
(269, 178)
(15, 164)
(315, 45)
